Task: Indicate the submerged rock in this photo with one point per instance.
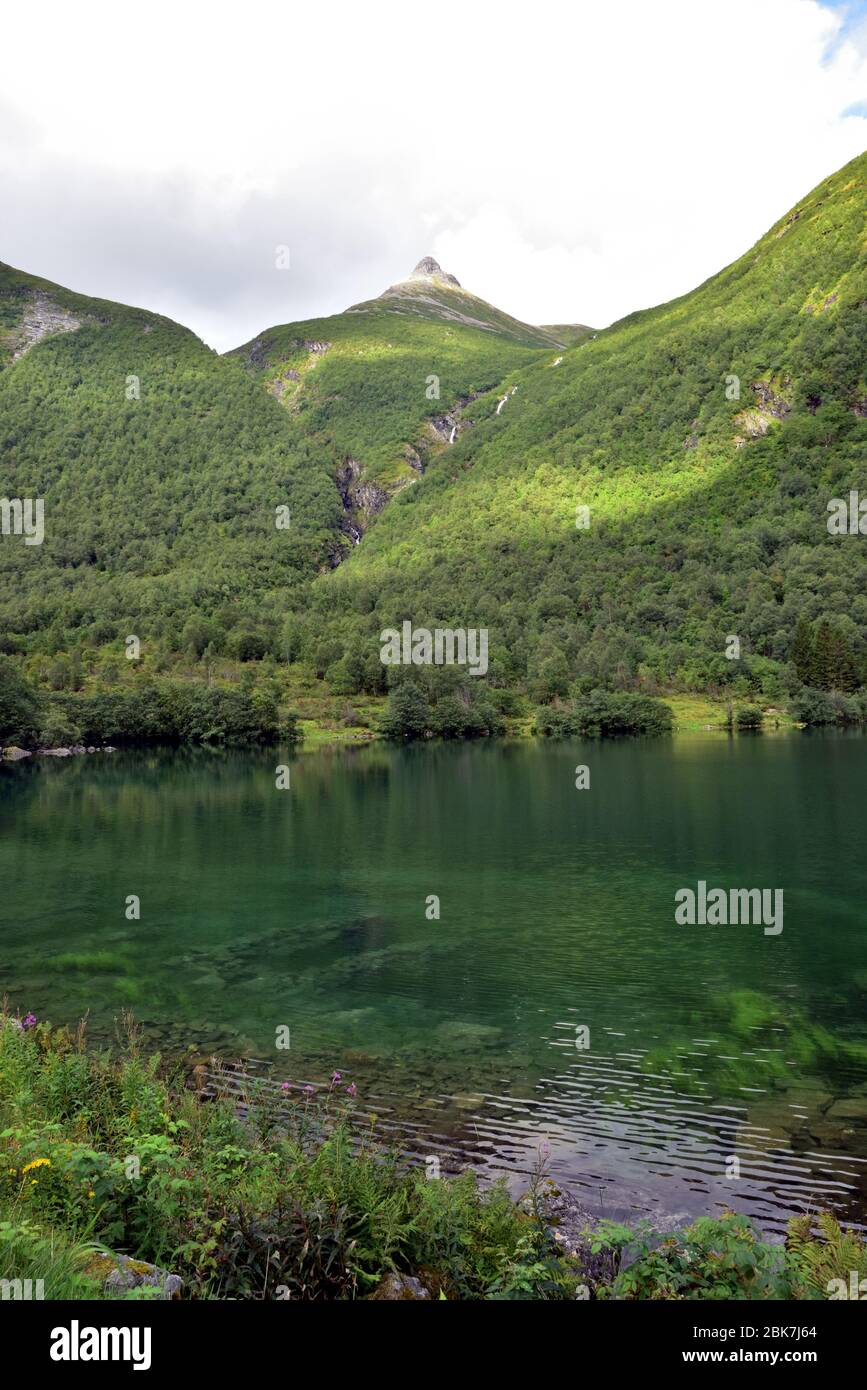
(466, 1101)
(463, 1036)
(849, 1108)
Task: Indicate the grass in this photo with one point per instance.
(706, 713)
(294, 1197)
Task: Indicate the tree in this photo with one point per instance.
(408, 714)
(20, 706)
(833, 660)
(801, 654)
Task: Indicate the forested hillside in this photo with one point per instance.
(706, 437)
(161, 467)
(639, 509)
(381, 390)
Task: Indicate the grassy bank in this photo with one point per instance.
(105, 1155)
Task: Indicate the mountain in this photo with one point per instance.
(615, 507)
(430, 293)
(568, 333)
(160, 465)
(706, 436)
(380, 391)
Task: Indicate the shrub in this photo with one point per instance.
(20, 706)
(711, 1259)
(174, 713)
(749, 717)
(818, 707)
(605, 715)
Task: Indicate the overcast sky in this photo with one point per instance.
(569, 162)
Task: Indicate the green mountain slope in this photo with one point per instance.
(380, 390)
(435, 456)
(707, 513)
(160, 465)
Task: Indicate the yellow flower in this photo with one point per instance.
(36, 1163)
(91, 1194)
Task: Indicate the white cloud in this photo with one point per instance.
(567, 161)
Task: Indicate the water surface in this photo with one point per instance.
(308, 909)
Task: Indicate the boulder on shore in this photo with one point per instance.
(396, 1287)
(120, 1273)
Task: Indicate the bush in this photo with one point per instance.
(711, 1259)
(408, 714)
(20, 706)
(58, 730)
(450, 711)
(749, 717)
(174, 713)
(818, 707)
(605, 715)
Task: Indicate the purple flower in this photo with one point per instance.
(338, 1076)
(29, 1021)
(352, 1089)
(285, 1086)
(308, 1090)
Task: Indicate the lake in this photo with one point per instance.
(554, 1002)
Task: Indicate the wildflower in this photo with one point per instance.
(308, 1090)
(352, 1089)
(29, 1021)
(338, 1076)
(285, 1086)
(91, 1193)
(36, 1163)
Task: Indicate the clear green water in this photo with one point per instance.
(305, 909)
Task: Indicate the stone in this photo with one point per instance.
(468, 1102)
(394, 1287)
(120, 1273)
(14, 754)
(849, 1108)
(463, 1036)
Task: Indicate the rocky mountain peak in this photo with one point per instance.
(429, 269)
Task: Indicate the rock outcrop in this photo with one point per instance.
(41, 319)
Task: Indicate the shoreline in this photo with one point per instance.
(101, 1160)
